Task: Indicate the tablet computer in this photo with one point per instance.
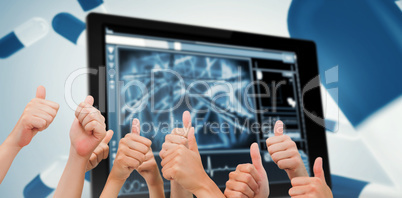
(235, 85)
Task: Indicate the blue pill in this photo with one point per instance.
(22, 36)
(90, 4)
(37, 188)
(68, 26)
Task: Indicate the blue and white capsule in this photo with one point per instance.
(92, 5)
(23, 36)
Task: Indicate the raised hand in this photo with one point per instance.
(178, 137)
(88, 128)
(249, 180)
(87, 131)
(131, 153)
(184, 166)
(284, 153)
(314, 187)
(37, 116)
(134, 152)
(100, 153)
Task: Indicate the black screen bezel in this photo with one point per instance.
(306, 59)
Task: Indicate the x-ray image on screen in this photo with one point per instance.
(157, 87)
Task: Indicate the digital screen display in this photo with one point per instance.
(234, 94)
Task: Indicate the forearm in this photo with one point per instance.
(112, 187)
(177, 191)
(208, 189)
(7, 154)
(72, 181)
(299, 172)
(156, 190)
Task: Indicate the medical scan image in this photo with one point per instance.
(157, 87)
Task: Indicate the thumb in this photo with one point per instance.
(186, 121)
(318, 171)
(256, 157)
(192, 142)
(278, 128)
(108, 137)
(41, 92)
(136, 127)
(89, 100)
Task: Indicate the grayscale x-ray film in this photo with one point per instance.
(211, 88)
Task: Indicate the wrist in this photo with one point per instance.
(298, 172)
(11, 145)
(153, 178)
(12, 140)
(207, 188)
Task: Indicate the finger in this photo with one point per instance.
(105, 149)
(128, 161)
(170, 151)
(98, 154)
(290, 163)
(134, 154)
(168, 173)
(245, 178)
(278, 128)
(186, 121)
(93, 116)
(47, 109)
(176, 139)
(137, 146)
(87, 109)
(91, 163)
(167, 146)
(230, 193)
(37, 123)
(41, 92)
(277, 139)
(96, 127)
(300, 181)
(318, 170)
(180, 132)
(89, 100)
(168, 159)
(192, 142)
(135, 129)
(256, 157)
(240, 187)
(281, 146)
(298, 190)
(45, 116)
(79, 108)
(139, 139)
(49, 103)
(281, 155)
(250, 169)
(108, 137)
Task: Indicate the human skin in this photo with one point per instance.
(86, 133)
(176, 160)
(285, 154)
(37, 116)
(100, 153)
(134, 153)
(179, 136)
(248, 180)
(314, 187)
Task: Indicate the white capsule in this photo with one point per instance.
(23, 36)
(32, 31)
